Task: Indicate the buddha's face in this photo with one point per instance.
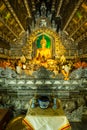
(44, 45)
(43, 42)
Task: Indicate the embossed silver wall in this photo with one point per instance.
(17, 90)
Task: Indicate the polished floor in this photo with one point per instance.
(16, 124)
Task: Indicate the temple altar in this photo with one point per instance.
(44, 68)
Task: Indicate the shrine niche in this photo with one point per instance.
(43, 47)
(53, 40)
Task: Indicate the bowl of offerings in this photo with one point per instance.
(43, 102)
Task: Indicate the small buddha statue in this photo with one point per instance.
(43, 53)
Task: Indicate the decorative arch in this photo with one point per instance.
(48, 39)
(56, 45)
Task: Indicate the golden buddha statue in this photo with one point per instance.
(43, 53)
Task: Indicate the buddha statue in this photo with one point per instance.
(43, 53)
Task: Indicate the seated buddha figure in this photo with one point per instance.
(43, 53)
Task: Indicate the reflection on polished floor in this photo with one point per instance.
(16, 124)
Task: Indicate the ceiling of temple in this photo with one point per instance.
(16, 17)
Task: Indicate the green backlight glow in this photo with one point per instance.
(48, 40)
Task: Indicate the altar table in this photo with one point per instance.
(46, 119)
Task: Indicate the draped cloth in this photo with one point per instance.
(46, 119)
(47, 123)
